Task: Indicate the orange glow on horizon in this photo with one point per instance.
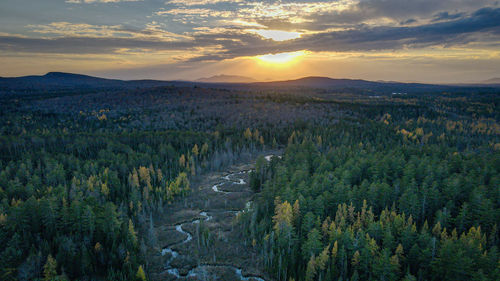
(281, 58)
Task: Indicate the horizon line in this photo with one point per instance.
(484, 82)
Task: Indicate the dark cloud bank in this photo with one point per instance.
(446, 29)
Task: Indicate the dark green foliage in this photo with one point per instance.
(398, 198)
(393, 188)
(80, 194)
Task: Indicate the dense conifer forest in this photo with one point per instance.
(368, 187)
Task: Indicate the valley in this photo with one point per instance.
(202, 238)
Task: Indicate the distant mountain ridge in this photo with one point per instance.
(372, 87)
(57, 81)
(63, 81)
(321, 82)
(223, 78)
(492, 81)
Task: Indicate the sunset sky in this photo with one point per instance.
(399, 40)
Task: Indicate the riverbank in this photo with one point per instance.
(197, 237)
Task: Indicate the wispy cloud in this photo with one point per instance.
(480, 26)
(152, 30)
(200, 2)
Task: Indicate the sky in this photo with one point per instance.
(434, 41)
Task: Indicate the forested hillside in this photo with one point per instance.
(399, 196)
(392, 187)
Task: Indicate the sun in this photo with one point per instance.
(281, 58)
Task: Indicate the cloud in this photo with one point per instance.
(408, 21)
(480, 26)
(200, 2)
(252, 11)
(82, 45)
(219, 43)
(318, 16)
(75, 29)
(152, 30)
(447, 16)
(276, 35)
(196, 12)
(400, 10)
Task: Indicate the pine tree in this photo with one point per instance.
(144, 176)
(355, 259)
(311, 269)
(296, 213)
(312, 246)
(323, 258)
(182, 161)
(204, 149)
(248, 134)
(134, 179)
(283, 216)
(140, 275)
(50, 268)
(131, 232)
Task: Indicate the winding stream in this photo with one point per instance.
(269, 157)
(201, 270)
